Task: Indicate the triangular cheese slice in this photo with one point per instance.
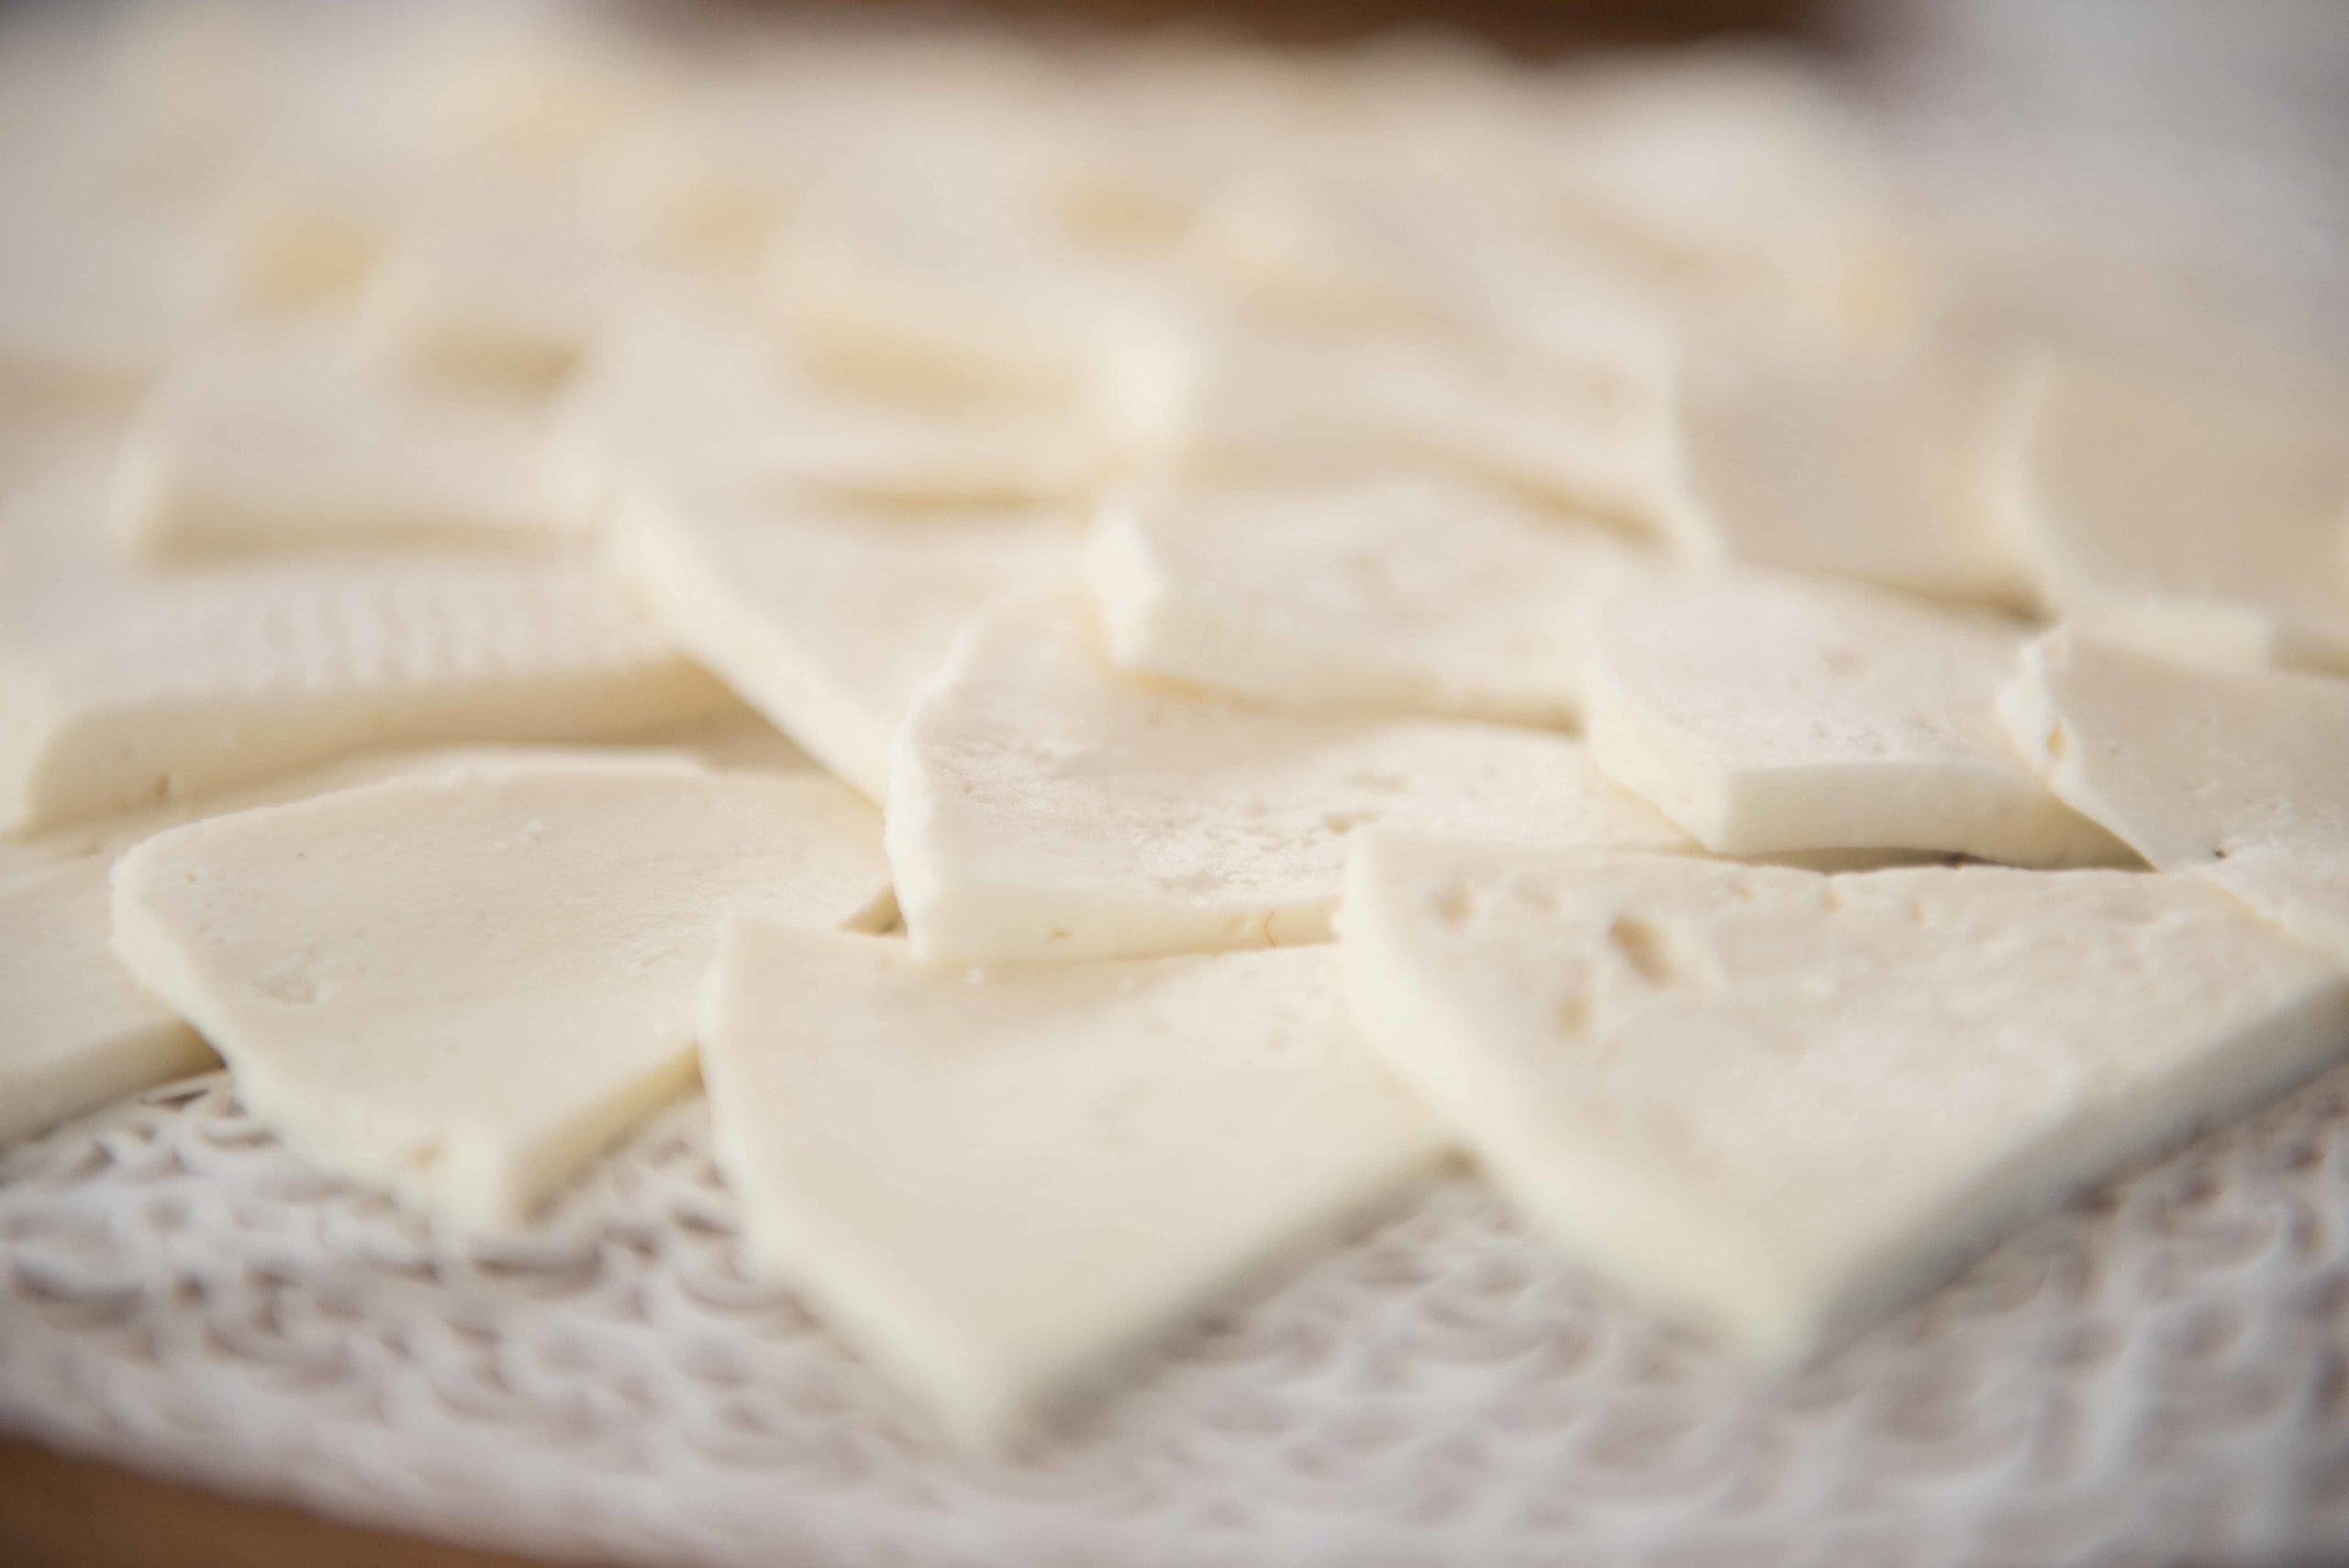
(1000, 1184)
(462, 987)
(1403, 593)
(294, 443)
(124, 688)
(829, 621)
(2196, 519)
(1779, 1101)
(1768, 714)
(1043, 806)
(2241, 776)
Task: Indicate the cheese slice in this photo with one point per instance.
(1242, 405)
(2193, 519)
(1403, 592)
(462, 987)
(78, 1033)
(123, 688)
(2236, 774)
(1772, 714)
(1848, 465)
(1780, 1103)
(1043, 807)
(915, 271)
(81, 1033)
(1000, 1186)
(679, 396)
(826, 620)
(506, 301)
(290, 442)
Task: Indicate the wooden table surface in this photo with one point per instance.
(57, 1512)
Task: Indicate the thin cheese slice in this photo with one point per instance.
(1767, 715)
(463, 987)
(1859, 465)
(829, 621)
(1780, 1103)
(1001, 1187)
(2190, 519)
(1043, 807)
(678, 397)
(2240, 776)
(1227, 403)
(120, 688)
(1407, 593)
(279, 443)
(79, 1032)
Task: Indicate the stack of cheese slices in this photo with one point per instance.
(1349, 612)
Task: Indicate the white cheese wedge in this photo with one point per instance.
(123, 688)
(506, 301)
(2187, 519)
(1780, 1103)
(1043, 806)
(1852, 465)
(2236, 774)
(915, 271)
(1000, 1186)
(827, 621)
(463, 987)
(681, 398)
(79, 1032)
(290, 442)
(1409, 594)
(1768, 714)
(1233, 404)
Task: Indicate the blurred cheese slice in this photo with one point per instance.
(275, 442)
(1780, 1103)
(123, 688)
(80, 1033)
(1861, 465)
(1043, 806)
(462, 987)
(1002, 1185)
(1209, 400)
(680, 397)
(2240, 776)
(1772, 714)
(827, 621)
(2186, 517)
(1411, 593)
(914, 273)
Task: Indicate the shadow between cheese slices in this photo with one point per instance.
(1779, 1103)
(999, 1184)
(462, 987)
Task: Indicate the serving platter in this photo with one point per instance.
(2160, 1373)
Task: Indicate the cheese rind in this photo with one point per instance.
(1043, 807)
(462, 987)
(829, 622)
(1770, 715)
(2200, 521)
(1000, 1186)
(1399, 593)
(2241, 776)
(121, 689)
(1780, 1103)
